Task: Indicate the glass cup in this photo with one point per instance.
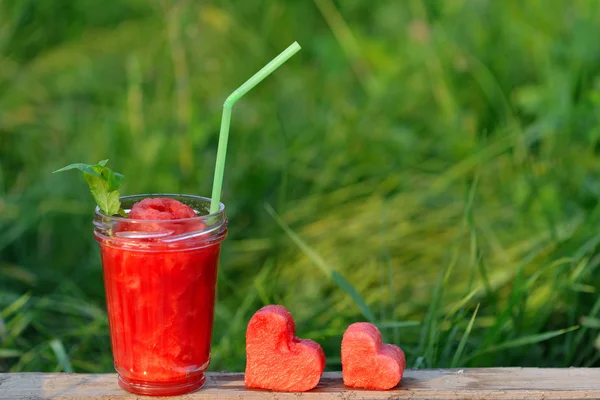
(160, 280)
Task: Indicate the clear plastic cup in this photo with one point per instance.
(160, 280)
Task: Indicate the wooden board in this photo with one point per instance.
(491, 383)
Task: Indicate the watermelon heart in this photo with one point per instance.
(367, 363)
(275, 358)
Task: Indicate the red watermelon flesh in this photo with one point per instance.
(275, 358)
(161, 209)
(367, 363)
(156, 208)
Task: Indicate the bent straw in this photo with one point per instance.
(226, 119)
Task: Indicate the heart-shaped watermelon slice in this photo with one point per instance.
(275, 358)
(367, 363)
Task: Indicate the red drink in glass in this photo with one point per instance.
(160, 280)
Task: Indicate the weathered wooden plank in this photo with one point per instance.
(492, 383)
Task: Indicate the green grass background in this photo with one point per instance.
(431, 166)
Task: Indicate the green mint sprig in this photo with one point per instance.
(104, 185)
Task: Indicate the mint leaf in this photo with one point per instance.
(107, 200)
(113, 179)
(104, 185)
(89, 169)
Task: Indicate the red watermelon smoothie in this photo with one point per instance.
(160, 273)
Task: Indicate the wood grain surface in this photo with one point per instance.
(490, 383)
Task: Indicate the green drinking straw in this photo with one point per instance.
(226, 118)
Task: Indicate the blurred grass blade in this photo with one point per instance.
(525, 340)
(460, 304)
(61, 355)
(348, 43)
(332, 274)
(588, 322)
(3, 330)
(15, 306)
(18, 273)
(463, 340)
(397, 324)
(18, 324)
(9, 353)
(579, 337)
(430, 329)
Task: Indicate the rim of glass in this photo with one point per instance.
(149, 195)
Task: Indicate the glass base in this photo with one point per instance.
(163, 389)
